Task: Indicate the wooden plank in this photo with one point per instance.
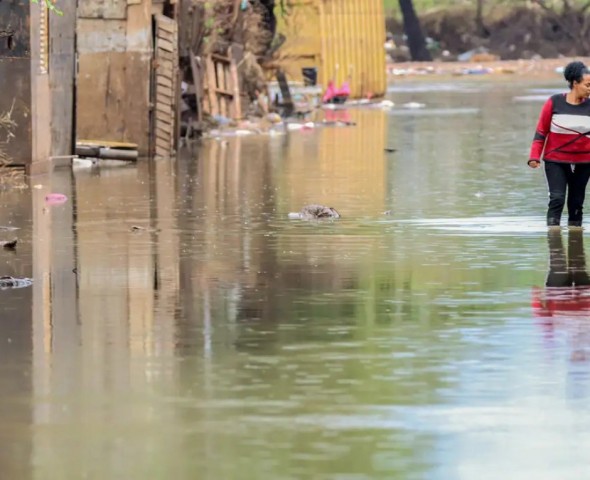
(225, 93)
(166, 85)
(164, 118)
(138, 73)
(211, 85)
(166, 45)
(236, 54)
(163, 108)
(197, 82)
(99, 113)
(220, 58)
(165, 23)
(165, 82)
(163, 99)
(105, 143)
(163, 55)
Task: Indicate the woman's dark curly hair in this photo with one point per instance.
(574, 72)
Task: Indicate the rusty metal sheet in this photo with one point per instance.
(108, 9)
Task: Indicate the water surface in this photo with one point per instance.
(223, 341)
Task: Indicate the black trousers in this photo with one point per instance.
(565, 178)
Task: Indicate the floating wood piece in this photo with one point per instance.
(166, 88)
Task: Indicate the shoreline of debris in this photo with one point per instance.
(538, 69)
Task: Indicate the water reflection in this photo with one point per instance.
(563, 308)
(221, 340)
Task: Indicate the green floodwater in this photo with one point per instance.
(224, 341)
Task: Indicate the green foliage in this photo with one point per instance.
(50, 6)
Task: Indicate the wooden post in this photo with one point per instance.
(40, 92)
(212, 86)
(197, 81)
(62, 74)
(234, 55)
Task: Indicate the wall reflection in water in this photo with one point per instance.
(123, 325)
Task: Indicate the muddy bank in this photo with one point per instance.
(507, 33)
(502, 70)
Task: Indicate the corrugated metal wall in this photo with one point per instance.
(341, 38)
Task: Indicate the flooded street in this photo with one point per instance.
(221, 340)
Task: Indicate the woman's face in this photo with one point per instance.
(582, 89)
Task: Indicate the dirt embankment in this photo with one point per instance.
(509, 33)
(502, 70)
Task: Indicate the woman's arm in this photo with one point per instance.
(543, 128)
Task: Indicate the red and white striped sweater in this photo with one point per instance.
(563, 132)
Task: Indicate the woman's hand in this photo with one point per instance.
(534, 163)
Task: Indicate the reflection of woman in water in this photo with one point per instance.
(567, 287)
(563, 308)
(562, 139)
(564, 303)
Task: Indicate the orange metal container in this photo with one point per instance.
(341, 38)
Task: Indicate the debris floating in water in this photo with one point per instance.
(137, 228)
(414, 105)
(313, 212)
(56, 199)
(10, 245)
(11, 282)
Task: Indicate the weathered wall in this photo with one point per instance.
(40, 91)
(62, 73)
(115, 51)
(15, 72)
(340, 38)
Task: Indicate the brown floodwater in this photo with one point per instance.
(221, 340)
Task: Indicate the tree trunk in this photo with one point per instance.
(482, 30)
(413, 29)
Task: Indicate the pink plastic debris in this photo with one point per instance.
(56, 199)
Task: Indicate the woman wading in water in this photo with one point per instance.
(562, 141)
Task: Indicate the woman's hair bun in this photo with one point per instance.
(574, 72)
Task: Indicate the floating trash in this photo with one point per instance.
(314, 212)
(414, 105)
(9, 245)
(11, 282)
(56, 199)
